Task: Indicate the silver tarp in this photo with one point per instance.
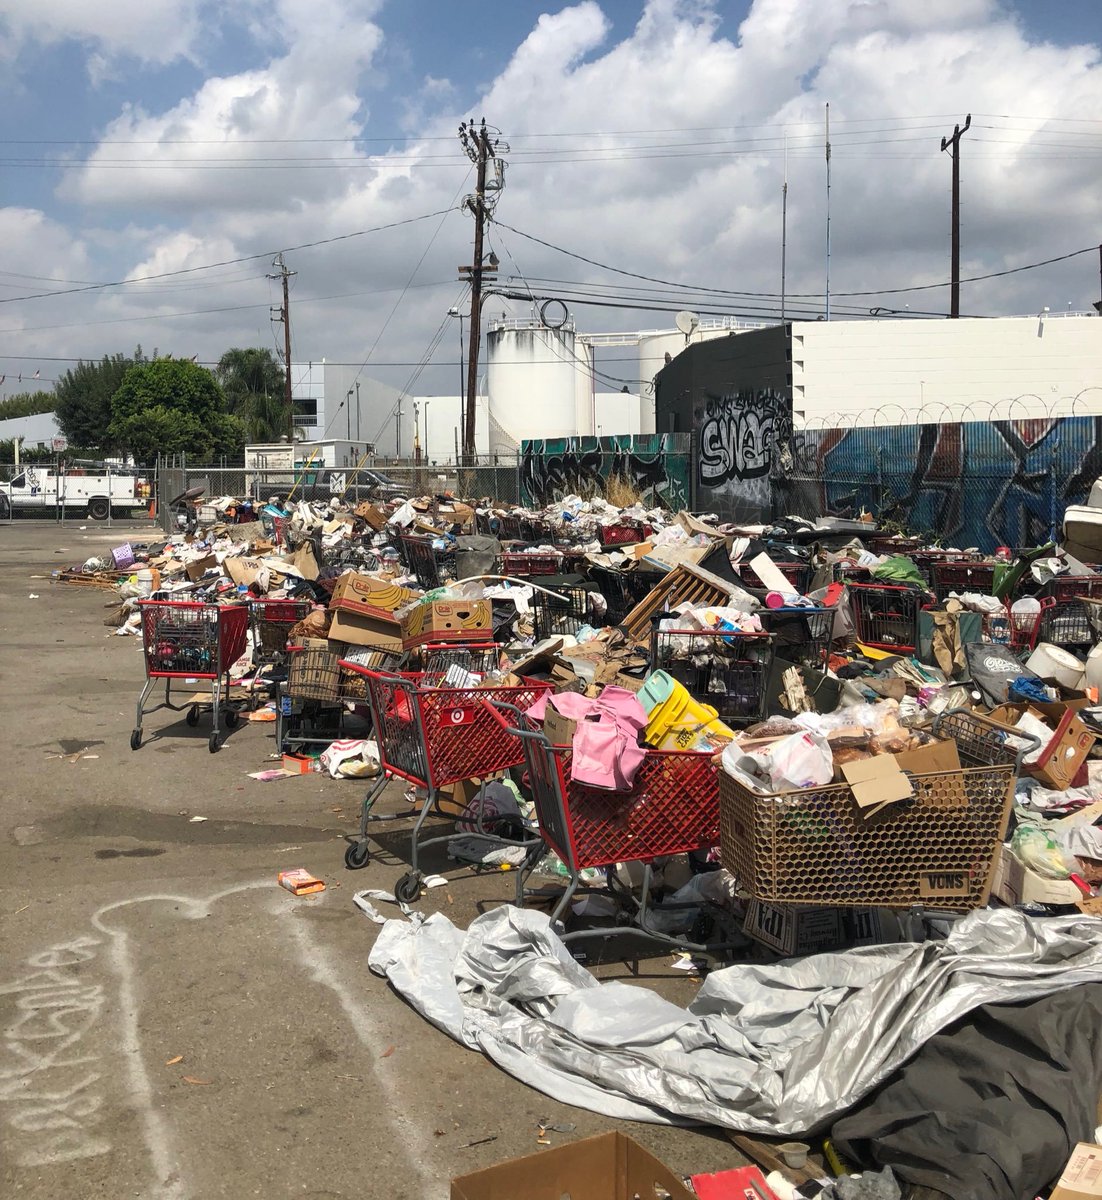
(778, 1049)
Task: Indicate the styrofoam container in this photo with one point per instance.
(1083, 531)
(1050, 662)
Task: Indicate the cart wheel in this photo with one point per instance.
(356, 856)
(408, 888)
(215, 743)
(135, 739)
(232, 718)
(192, 717)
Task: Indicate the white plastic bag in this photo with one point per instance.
(800, 760)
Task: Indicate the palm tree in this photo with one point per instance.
(254, 386)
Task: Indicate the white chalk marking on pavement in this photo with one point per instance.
(319, 962)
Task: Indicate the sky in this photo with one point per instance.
(157, 154)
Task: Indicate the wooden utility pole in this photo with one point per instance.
(480, 150)
(952, 144)
(284, 315)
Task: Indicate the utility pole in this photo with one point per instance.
(952, 144)
(481, 151)
(784, 225)
(827, 139)
(284, 315)
(359, 435)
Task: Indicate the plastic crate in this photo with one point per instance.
(273, 619)
(812, 846)
(885, 616)
(727, 671)
(564, 612)
(1069, 625)
(963, 577)
(798, 575)
(801, 635)
(623, 533)
(1066, 588)
(524, 562)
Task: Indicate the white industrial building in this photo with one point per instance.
(38, 431)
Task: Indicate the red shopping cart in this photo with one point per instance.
(672, 808)
(434, 737)
(185, 639)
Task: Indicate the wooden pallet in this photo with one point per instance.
(685, 584)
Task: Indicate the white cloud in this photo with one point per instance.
(155, 31)
(693, 194)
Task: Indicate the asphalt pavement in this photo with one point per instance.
(175, 1025)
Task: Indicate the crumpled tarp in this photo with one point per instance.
(778, 1049)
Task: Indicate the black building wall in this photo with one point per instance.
(734, 394)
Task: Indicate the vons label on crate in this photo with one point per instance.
(944, 885)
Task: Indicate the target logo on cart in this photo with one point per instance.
(457, 716)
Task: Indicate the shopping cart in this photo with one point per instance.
(310, 702)
(185, 639)
(560, 610)
(434, 737)
(725, 669)
(622, 590)
(429, 565)
(1018, 630)
(798, 575)
(457, 660)
(271, 622)
(1068, 624)
(885, 616)
(801, 635)
(672, 808)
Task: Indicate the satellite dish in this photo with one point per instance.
(686, 321)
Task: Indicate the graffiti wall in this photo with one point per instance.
(983, 484)
(742, 444)
(653, 466)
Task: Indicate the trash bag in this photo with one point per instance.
(899, 569)
(993, 668)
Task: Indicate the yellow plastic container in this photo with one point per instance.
(675, 720)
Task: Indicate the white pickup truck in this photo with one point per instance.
(97, 495)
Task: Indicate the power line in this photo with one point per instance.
(229, 262)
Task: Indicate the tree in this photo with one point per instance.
(255, 390)
(173, 406)
(82, 398)
(26, 404)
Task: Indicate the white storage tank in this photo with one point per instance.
(538, 380)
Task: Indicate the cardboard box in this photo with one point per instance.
(558, 730)
(794, 930)
(1015, 883)
(1082, 1177)
(378, 632)
(446, 621)
(1071, 742)
(369, 596)
(610, 1166)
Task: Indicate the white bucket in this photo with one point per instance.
(1092, 676)
(147, 580)
(1050, 662)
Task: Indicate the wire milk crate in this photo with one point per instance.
(1068, 624)
(429, 565)
(726, 670)
(885, 616)
(672, 808)
(189, 640)
(434, 737)
(936, 848)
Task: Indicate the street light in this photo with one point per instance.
(427, 453)
(348, 413)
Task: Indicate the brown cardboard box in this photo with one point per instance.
(1015, 883)
(446, 621)
(369, 596)
(558, 730)
(1071, 741)
(372, 514)
(380, 632)
(197, 569)
(1082, 1177)
(610, 1166)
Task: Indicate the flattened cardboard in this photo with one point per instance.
(794, 930)
(358, 630)
(1082, 1177)
(610, 1166)
(770, 575)
(937, 757)
(877, 781)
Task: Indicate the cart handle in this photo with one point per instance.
(359, 669)
(1032, 743)
(430, 646)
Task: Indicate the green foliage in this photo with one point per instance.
(173, 406)
(31, 454)
(255, 389)
(82, 398)
(27, 404)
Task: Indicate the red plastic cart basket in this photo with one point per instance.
(434, 737)
(185, 639)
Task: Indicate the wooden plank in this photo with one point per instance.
(766, 1156)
